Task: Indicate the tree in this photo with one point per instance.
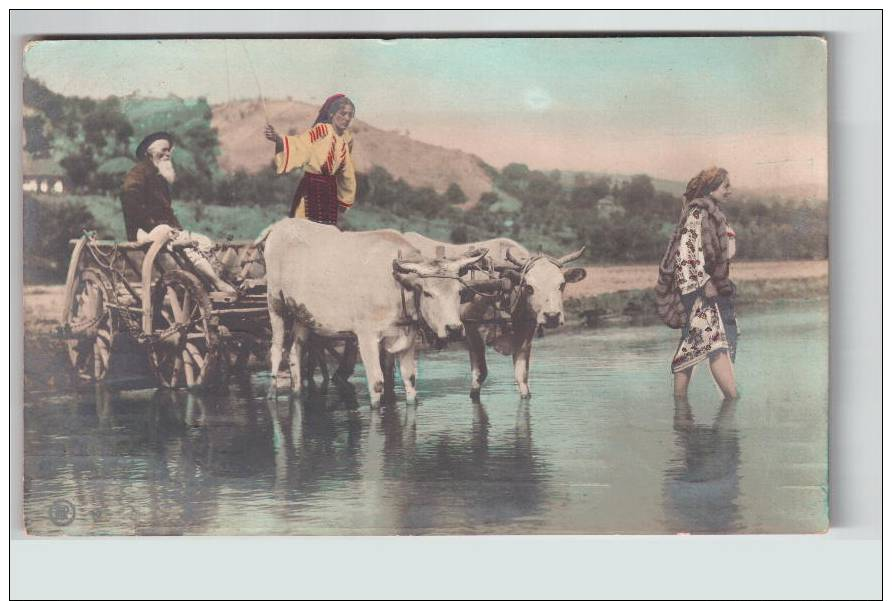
(488, 199)
(516, 171)
(459, 235)
(637, 195)
(105, 125)
(455, 195)
(586, 195)
(80, 167)
(48, 228)
(36, 140)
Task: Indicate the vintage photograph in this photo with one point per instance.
(426, 286)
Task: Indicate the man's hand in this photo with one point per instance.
(269, 132)
(710, 290)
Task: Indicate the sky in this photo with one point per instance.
(664, 106)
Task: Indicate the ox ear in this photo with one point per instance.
(409, 281)
(571, 257)
(512, 275)
(577, 274)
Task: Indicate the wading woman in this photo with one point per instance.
(328, 185)
(694, 289)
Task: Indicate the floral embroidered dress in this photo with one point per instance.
(704, 333)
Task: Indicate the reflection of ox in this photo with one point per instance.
(535, 299)
(323, 280)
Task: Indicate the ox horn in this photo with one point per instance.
(404, 266)
(571, 257)
(470, 258)
(512, 258)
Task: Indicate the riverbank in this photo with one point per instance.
(611, 287)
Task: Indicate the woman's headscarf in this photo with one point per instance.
(331, 106)
(705, 183)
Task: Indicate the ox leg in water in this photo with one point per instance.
(409, 372)
(522, 363)
(477, 355)
(277, 324)
(300, 338)
(388, 361)
(369, 349)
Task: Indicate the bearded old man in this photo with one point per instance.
(146, 202)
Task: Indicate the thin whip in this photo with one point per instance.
(257, 81)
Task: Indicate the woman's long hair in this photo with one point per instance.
(331, 106)
(706, 182)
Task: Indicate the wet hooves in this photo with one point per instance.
(475, 395)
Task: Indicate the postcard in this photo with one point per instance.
(454, 285)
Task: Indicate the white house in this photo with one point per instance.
(43, 176)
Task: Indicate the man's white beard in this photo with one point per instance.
(165, 168)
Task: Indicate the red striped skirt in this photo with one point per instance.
(321, 195)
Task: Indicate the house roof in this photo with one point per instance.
(46, 167)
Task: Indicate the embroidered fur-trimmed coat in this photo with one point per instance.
(716, 236)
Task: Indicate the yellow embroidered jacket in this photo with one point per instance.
(320, 150)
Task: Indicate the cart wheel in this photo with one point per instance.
(184, 335)
(91, 325)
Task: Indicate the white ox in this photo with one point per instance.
(537, 300)
(327, 281)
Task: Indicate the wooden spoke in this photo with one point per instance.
(187, 307)
(185, 357)
(175, 306)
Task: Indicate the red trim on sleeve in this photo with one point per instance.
(318, 132)
(287, 154)
(343, 204)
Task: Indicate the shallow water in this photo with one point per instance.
(600, 448)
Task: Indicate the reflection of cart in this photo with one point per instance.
(152, 293)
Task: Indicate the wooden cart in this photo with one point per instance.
(152, 293)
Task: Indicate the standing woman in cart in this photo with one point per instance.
(328, 186)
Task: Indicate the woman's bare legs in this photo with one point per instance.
(723, 373)
(682, 379)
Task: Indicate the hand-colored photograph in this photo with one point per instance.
(426, 286)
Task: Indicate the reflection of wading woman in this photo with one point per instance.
(694, 291)
(328, 186)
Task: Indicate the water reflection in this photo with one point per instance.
(590, 453)
(467, 481)
(701, 482)
(175, 462)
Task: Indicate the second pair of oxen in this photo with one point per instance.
(322, 280)
(508, 316)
